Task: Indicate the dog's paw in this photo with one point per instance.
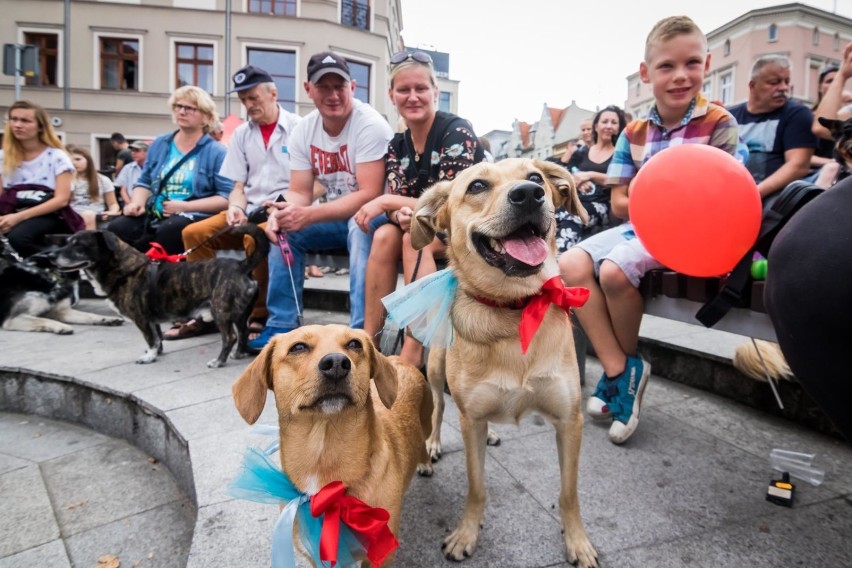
(149, 357)
(65, 330)
(239, 354)
(425, 469)
(433, 447)
(461, 543)
(111, 321)
(215, 363)
(580, 552)
(493, 439)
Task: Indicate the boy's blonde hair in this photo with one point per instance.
(671, 27)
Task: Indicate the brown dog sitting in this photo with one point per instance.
(500, 225)
(345, 413)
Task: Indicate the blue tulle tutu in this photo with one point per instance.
(424, 307)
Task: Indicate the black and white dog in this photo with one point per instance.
(36, 297)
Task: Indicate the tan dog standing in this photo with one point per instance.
(500, 224)
(345, 413)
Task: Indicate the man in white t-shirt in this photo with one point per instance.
(258, 160)
(342, 146)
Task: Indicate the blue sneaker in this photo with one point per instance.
(596, 406)
(624, 404)
(257, 344)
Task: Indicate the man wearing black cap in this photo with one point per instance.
(258, 160)
(341, 145)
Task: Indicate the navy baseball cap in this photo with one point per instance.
(327, 62)
(248, 77)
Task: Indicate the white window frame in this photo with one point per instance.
(298, 79)
(96, 58)
(772, 33)
(371, 25)
(173, 41)
(96, 147)
(726, 48)
(60, 48)
(298, 10)
(707, 87)
(726, 73)
(372, 66)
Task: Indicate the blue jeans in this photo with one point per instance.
(280, 298)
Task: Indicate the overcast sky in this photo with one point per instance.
(512, 57)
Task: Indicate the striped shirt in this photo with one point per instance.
(703, 123)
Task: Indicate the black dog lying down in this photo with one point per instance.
(149, 293)
(35, 297)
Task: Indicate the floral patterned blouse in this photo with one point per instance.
(455, 149)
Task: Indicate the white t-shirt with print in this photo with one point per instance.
(81, 201)
(41, 170)
(333, 159)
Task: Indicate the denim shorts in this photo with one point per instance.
(621, 246)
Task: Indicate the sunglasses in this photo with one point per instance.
(417, 56)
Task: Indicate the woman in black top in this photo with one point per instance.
(435, 147)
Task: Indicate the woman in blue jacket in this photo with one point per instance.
(180, 183)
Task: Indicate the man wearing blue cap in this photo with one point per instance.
(258, 160)
(342, 146)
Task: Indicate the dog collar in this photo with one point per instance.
(326, 519)
(535, 307)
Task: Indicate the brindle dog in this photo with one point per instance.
(149, 293)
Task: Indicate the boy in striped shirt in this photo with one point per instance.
(612, 263)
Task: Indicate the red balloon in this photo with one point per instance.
(696, 209)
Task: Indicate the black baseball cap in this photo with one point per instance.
(248, 77)
(326, 62)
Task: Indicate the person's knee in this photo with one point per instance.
(613, 279)
(575, 266)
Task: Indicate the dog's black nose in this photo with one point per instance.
(528, 196)
(335, 366)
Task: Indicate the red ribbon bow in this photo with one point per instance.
(553, 292)
(370, 524)
(158, 253)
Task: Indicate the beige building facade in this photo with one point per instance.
(111, 65)
(809, 37)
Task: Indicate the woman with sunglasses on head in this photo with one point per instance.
(35, 180)
(435, 146)
(588, 165)
(93, 192)
(180, 183)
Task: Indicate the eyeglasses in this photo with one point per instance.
(187, 109)
(417, 56)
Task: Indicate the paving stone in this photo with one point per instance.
(106, 483)
(27, 519)
(216, 543)
(45, 439)
(51, 554)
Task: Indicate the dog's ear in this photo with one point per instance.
(834, 126)
(430, 214)
(108, 239)
(566, 192)
(249, 390)
(383, 374)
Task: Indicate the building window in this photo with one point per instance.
(707, 88)
(638, 88)
(281, 65)
(444, 101)
(355, 13)
(119, 63)
(836, 42)
(727, 48)
(726, 88)
(194, 65)
(815, 37)
(272, 7)
(361, 75)
(48, 58)
(773, 32)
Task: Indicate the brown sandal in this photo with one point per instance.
(191, 328)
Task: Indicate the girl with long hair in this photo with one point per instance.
(93, 192)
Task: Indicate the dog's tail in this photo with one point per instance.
(747, 360)
(261, 246)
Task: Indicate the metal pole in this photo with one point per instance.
(66, 58)
(18, 63)
(227, 73)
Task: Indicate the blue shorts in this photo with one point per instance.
(621, 246)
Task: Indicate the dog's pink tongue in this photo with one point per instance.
(529, 250)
